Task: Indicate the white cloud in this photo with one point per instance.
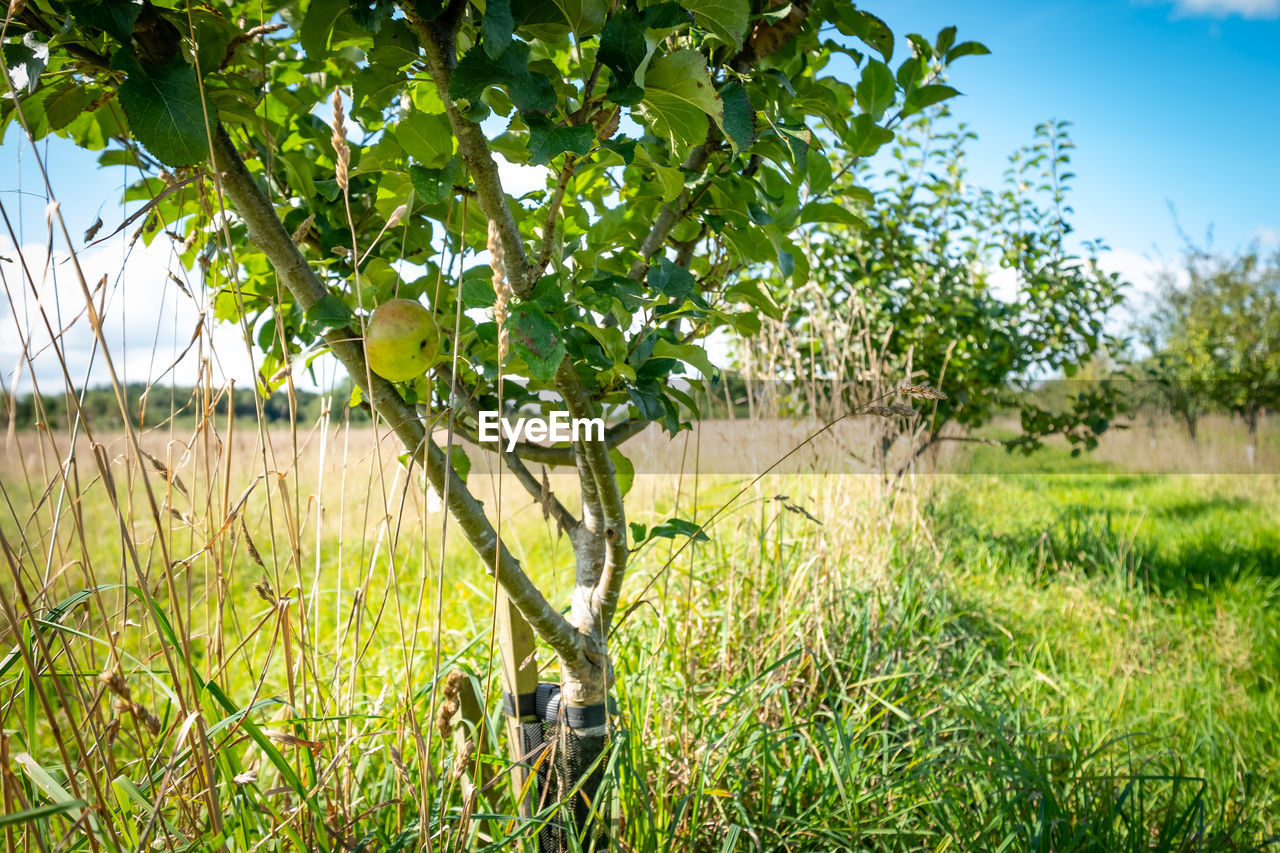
(1266, 236)
(1252, 9)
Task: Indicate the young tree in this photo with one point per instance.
(317, 160)
(1215, 335)
(979, 291)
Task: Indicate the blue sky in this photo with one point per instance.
(1172, 103)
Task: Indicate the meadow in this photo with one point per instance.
(240, 640)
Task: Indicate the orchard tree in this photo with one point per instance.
(976, 290)
(1215, 336)
(317, 160)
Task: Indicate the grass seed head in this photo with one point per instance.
(501, 289)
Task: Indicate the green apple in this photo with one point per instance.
(401, 340)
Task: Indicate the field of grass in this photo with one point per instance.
(1036, 654)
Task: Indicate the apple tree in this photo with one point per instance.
(318, 159)
(1214, 336)
(977, 290)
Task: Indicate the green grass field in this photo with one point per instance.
(1040, 654)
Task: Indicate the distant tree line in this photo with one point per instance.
(150, 406)
(1214, 338)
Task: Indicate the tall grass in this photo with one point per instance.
(220, 636)
(966, 667)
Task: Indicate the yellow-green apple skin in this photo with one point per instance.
(401, 340)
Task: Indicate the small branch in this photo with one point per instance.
(516, 465)
(596, 463)
(668, 217)
(248, 36)
(439, 48)
(553, 212)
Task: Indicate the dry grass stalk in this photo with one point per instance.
(301, 233)
(449, 702)
(501, 290)
(919, 392)
(342, 151)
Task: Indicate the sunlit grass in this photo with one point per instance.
(1079, 659)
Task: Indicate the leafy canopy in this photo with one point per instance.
(919, 288)
(699, 135)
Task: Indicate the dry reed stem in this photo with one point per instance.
(501, 290)
(342, 151)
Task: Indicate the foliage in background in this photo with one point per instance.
(1214, 337)
(976, 290)
(99, 405)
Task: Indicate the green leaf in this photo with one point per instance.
(670, 178)
(826, 211)
(536, 338)
(27, 60)
(927, 96)
(911, 72)
(673, 527)
(679, 98)
(750, 292)
(41, 812)
(865, 136)
(968, 48)
(461, 462)
(671, 279)
(164, 107)
(689, 354)
(426, 138)
(328, 189)
(739, 116)
(432, 186)
(728, 19)
(623, 471)
(877, 89)
(477, 287)
(946, 38)
(553, 19)
(626, 46)
(497, 27)
(317, 26)
(114, 17)
(867, 27)
(477, 71)
(330, 313)
(371, 14)
(548, 140)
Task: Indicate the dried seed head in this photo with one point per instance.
(896, 410)
(341, 151)
(920, 392)
(114, 681)
(249, 546)
(397, 215)
(501, 290)
(449, 703)
(462, 761)
(300, 233)
(149, 721)
(265, 592)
